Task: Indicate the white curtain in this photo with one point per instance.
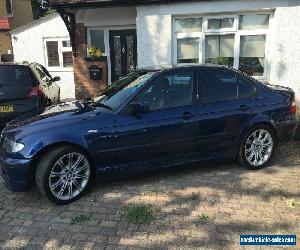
(252, 22)
(219, 46)
(188, 48)
(253, 46)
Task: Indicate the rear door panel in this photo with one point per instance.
(221, 115)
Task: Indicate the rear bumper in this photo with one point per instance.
(16, 173)
(21, 108)
(286, 131)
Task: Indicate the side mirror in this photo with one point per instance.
(56, 79)
(138, 108)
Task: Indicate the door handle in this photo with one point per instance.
(186, 115)
(244, 108)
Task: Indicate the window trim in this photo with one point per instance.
(61, 49)
(238, 33)
(12, 9)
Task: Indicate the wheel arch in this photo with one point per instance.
(251, 126)
(37, 157)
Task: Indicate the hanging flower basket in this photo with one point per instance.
(95, 54)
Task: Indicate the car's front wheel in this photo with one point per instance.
(63, 174)
(257, 147)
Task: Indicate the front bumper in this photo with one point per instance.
(16, 173)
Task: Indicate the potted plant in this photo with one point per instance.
(94, 53)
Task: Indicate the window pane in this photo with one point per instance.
(41, 73)
(52, 53)
(251, 22)
(169, 92)
(219, 49)
(252, 54)
(67, 59)
(9, 10)
(220, 23)
(130, 53)
(97, 39)
(66, 43)
(188, 25)
(246, 88)
(217, 86)
(188, 50)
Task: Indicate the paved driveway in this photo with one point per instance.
(204, 207)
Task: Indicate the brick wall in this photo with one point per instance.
(5, 42)
(84, 87)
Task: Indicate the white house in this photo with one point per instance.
(46, 41)
(260, 37)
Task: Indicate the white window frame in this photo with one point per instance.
(61, 49)
(207, 18)
(225, 31)
(106, 38)
(182, 35)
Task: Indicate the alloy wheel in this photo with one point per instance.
(69, 176)
(259, 147)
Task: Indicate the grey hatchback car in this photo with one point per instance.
(25, 88)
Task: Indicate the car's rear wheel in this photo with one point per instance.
(257, 147)
(63, 174)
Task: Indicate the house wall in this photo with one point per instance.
(22, 13)
(285, 47)
(154, 33)
(5, 43)
(28, 45)
(2, 8)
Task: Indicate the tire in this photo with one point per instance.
(256, 154)
(60, 181)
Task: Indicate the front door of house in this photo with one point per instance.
(123, 52)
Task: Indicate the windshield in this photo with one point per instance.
(115, 95)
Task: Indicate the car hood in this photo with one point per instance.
(53, 117)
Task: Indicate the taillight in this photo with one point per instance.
(34, 91)
(294, 106)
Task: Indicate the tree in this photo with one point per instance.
(40, 8)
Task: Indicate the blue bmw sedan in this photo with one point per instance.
(148, 120)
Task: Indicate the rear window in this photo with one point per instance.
(15, 76)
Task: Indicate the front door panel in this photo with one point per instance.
(164, 135)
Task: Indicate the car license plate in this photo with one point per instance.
(8, 108)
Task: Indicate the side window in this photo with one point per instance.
(218, 86)
(246, 88)
(49, 77)
(168, 91)
(41, 74)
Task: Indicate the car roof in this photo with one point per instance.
(25, 63)
(185, 66)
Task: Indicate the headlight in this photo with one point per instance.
(11, 146)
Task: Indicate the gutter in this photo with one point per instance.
(113, 3)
